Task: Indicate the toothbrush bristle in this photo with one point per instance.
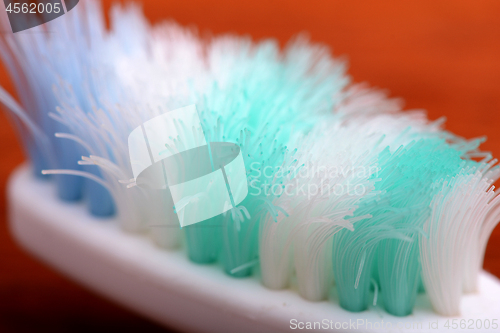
(345, 188)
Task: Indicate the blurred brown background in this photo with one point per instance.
(442, 56)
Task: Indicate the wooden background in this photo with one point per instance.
(442, 56)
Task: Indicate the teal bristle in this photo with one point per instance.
(398, 260)
(203, 241)
(399, 212)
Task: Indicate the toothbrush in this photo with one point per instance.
(346, 191)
